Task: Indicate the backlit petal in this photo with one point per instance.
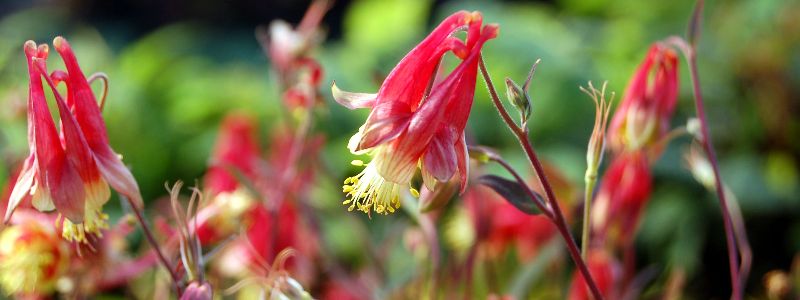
(353, 100)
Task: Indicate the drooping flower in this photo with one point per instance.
(623, 193)
(642, 118)
(415, 123)
(32, 257)
(236, 150)
(83, 104)
(70, 170)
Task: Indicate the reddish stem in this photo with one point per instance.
(558, 217)
(733, 257)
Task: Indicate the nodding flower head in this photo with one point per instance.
(32, 257)
(415, 120)
(623, 193)
(71, 170)
(642, 118)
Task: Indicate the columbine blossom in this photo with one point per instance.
(637, 134)
(71, 170)
(32, 257)
(622, 196)
(642, 118)
(236, 150)
(415, 123)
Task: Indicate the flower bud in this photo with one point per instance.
(519, 99)
(198, 291)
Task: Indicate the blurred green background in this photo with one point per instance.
(177, 67)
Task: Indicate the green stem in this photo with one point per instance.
(558, 217)
(587, 215)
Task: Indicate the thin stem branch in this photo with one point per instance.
(154, 244)
(691, 59)
(558, 217)
(712, 157)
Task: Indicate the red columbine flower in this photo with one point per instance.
(643, 116)
(236, 150)
(32, 257)
(68, 171)
(409, 126)
(623, 193)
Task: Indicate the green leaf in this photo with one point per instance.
(513, 192)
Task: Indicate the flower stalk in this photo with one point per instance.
(708, 148)
(558, 219)
(690, 53)
(594, 157)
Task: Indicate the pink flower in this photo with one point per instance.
(642, 118)
(415, 123)
(70, 170)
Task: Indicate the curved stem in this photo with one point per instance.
(712, 157)
(558, 216)
(154, 244)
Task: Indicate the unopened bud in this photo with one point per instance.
(198, 291)
(519, 99)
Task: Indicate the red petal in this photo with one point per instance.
(463, 162)
(407, 82)
(57, 178)
(387, 124)
(236, 147)
(440, 158)
(117, 174)
(66, 188)
(86, 111)
(81, 99)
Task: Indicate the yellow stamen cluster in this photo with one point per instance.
(369, 191)
(94, 222)
(31, 259)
